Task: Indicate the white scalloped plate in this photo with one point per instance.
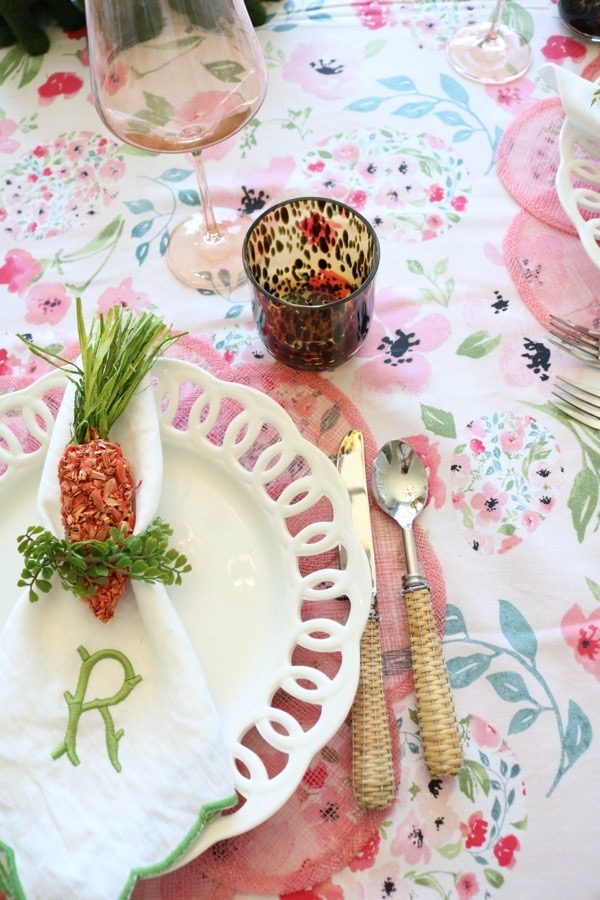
(238, 477)
(578, 185)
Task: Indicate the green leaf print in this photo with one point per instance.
(509, 686)
(493, 877)
(455, 622)
(438, 421)
(519, 19)
(594, 588)
(522, 720)
(31, 67)
(227, 70)
(11, 62)
(478, 344)
(578, 735)
(464, 670)
(575, 738)
(583, 500)
(517, 630)
(473, 776)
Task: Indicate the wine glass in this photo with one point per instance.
(176, 76)
(490, 53)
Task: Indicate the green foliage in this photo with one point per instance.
(83, 566)
(117, 352)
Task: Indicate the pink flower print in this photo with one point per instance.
(460, 467)
(112, 169)
(582, 634)
(505, 850)
(459, 203)
(116, 77)
(124, 295)
(410, 841)
(367, 171)
(316, 166)
(436, 193)
(509, 542)
(475, 830)
(346, 153)
(483, 734)
(511, 441)
(7, 363)
(477, 446)
(76, 149)
(357, 199)
(401, 349)
(489, 503)
(428, 453)
(467, 886)
(7, 128)
(323, 70)
(558, 47)
(207, 108)
(483, 544)
(59, 84)
(389, 196)
(19, 270)
(47, 303)
(514, 97)
(478, 428)
(458, 500)
(546, 503)
(374, 14)
(530, 519)
(365, 857)
(435, 142)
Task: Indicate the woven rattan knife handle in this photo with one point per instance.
(372, 761)
(442, 746)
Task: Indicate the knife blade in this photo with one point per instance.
(372, 760)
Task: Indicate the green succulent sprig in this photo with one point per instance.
(82, 566)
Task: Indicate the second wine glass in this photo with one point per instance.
(177, 76)
(490, 52)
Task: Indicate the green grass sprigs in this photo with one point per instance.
(83, 566)
(117, 352)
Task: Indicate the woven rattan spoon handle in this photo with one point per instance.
(372, 760)
(400, 487)
(440, 736)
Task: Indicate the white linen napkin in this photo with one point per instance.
(576, 94)
(134, 778)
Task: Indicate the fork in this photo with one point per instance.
(577, 400)
(582, 342)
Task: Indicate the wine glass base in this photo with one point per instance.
(497, 61)
(210, 264)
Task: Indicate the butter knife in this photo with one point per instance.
(372, 761)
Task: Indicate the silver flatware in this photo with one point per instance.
(372, 760)
(578, 340)
(577, 400)
(400, 487)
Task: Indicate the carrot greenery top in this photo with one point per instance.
(116, 353)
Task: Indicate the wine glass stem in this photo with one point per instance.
(496, 21)
(212, 232)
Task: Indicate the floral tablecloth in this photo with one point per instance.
(363, 106)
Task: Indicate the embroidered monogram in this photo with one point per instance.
(77, 705)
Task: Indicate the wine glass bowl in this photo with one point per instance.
(177, 76)
(489, 52)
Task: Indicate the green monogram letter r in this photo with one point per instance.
(77, 706)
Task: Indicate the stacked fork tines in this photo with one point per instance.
(577, 400)
(581, 342)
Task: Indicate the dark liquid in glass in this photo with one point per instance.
(582, 17)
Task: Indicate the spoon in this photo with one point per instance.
(399, 483)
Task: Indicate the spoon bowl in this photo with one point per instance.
(399, 482)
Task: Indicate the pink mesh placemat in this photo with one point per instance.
(528, 158)
(552, 271)
(321, 828)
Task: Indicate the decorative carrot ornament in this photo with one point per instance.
(100, 551)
